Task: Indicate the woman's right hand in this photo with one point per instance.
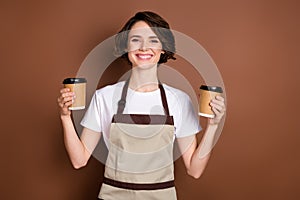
(65, 100)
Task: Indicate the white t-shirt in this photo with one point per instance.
(104, 105)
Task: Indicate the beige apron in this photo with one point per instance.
(140, 158)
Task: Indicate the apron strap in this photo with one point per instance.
(164, 99)
(122, 101)
(139, 186)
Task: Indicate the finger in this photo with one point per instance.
(59, 99)
(63, 90)
(220, 98)
(61, 104)
(67, 99)
(68, 94)
(218, 114)
(64, 99)
(67, 104)
(218, 107)
(216, 118)
(218, 102)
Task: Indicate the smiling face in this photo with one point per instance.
(144, 47)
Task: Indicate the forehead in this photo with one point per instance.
(141, 28)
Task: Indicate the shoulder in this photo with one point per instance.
(178, 94)
(110, 89)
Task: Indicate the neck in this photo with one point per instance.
(144, 79)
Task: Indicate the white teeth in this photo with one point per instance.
(144, 56)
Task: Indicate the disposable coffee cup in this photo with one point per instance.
(78, 86)
(207, 93)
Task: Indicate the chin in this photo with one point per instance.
(145, 65)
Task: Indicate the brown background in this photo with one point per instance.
(254, 43)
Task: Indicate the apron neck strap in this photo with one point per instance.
(122, 101)
(164, 98)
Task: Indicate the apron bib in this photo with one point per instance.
(140, 158)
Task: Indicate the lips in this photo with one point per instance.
(144, 56)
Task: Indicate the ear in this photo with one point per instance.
(163, 52)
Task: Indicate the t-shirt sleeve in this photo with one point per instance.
(91, 119)
(188, 122)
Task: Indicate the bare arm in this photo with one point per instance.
(79, 149)
(195, 164)
(195, 157)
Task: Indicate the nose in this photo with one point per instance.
(144, 46)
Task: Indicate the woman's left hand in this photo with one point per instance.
(218, 106)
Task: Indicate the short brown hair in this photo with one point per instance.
(159, 26)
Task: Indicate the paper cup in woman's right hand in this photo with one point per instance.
(207, 93)
(78, 86)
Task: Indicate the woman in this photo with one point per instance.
(139, 119)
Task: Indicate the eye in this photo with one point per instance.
(155, 41)
(135, 40)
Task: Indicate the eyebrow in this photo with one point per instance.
(139, 36)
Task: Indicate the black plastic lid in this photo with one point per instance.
(74, 80)
(211, 88)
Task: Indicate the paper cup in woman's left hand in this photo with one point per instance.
(207, 93)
